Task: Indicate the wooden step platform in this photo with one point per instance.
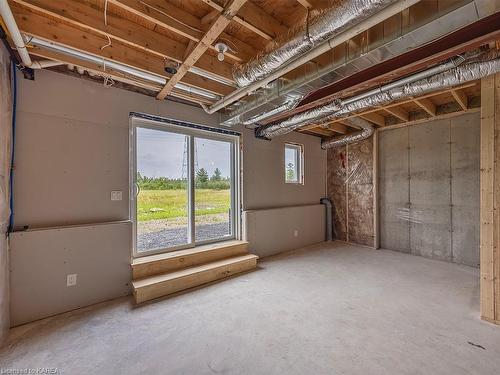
(175, 260)
(163, 274)
(172, 282)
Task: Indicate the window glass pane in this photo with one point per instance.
(212, 189)
(293, 163)
(162, 201)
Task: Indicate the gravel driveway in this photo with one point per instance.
(178, 236)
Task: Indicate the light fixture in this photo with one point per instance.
(171, 66)
(221, 48)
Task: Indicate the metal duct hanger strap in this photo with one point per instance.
(323, 28)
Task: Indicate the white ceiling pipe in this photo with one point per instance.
(40, 64)
(151, 77)
(364, 25)
(18, 40)
(14, 32)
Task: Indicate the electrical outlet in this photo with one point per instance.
(71, 279)
(295, 233)
(116, 195)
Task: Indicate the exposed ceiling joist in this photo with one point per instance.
(254, 19)
(180, 22)
(460, 98)
(211, 35)
(427, 105)
(306, 4)
(375, 118)
(393, 108)
(338, 128)
(83, 16)
(80, 40)
(399, 112)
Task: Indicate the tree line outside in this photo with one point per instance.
(162, 198)
(202, 181)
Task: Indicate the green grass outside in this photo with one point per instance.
(168, 204)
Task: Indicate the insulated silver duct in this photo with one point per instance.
(288, 105)
(366, 132)
(275, 94)
(416, 84)
(324, 27)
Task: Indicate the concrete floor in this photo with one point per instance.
(326, 309)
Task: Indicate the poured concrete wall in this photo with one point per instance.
(429, 189)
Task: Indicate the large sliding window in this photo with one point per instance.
(184, 180)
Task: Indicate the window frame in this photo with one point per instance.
(192, 132)
(299, 150)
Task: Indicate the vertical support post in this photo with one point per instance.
(347, 177)
(376, 241)
(490, 199)
(191, 188)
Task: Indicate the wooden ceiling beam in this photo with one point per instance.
(82, 16)
(339, 127)
(212, 34)
(182, 23)
(45, 28)
(254, 19)
(306, 4)
(376, 118)
(427, 105)
(398, 112)
(461, 99)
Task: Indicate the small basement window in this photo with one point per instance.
(294, 160)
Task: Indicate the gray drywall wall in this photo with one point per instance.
(75, 132)
(5, 160)
(280, 229)
(264, 172)
(429, 189)
(72, 151)
(41, 260)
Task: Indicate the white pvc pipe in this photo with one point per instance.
(18, 40)
(384, 14)
(151, 77)
(40, 64)
(14, 32)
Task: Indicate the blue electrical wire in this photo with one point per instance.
(11, 182)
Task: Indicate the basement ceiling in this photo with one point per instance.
(150, 35)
